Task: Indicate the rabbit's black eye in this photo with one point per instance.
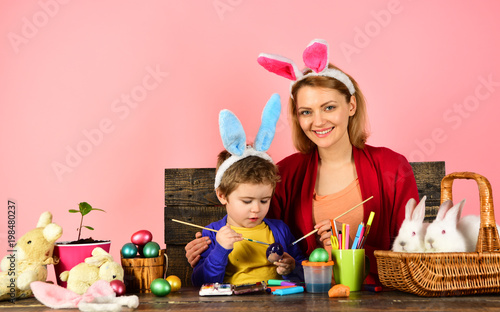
(29, 242)
(443, 232)
(114, 276)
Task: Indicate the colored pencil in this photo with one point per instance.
(356, 238)
(367, 229)
(347, 236)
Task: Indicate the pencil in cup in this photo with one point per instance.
(367, 230)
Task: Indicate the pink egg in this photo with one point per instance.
(141, 237)
(118, 286)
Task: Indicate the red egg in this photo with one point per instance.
(141, 237)
(118, 286)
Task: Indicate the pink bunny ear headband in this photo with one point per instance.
(315, 58)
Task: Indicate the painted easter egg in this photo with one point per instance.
(129, 250)
(151, 250)
(141, 237)
(274, 252)
(318, 255)
(175, 282)
(118, 286)
(160, 287)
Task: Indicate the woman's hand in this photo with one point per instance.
(324, 232)
(195, 248)
(226, 237)
(286, 265)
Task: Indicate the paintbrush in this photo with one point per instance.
(208, 229)
(315, 230)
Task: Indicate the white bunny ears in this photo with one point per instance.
(315, 57)
(234, 138)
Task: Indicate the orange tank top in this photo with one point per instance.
(332, 205)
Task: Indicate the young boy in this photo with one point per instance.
(246, 188)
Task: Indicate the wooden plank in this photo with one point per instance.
(428, 176)
(177, 263)
(176, 233)
(191, 186)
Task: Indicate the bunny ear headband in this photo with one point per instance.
(315, 57)
(234, 139)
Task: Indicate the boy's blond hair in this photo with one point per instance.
(251, 170)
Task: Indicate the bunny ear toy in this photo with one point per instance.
(315, 57)
(234, 138)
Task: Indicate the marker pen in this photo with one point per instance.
(289, 291)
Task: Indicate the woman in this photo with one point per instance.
(334, 169)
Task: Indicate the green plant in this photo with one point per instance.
(84, 208)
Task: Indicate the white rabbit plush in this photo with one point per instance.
(412, 231)
(450, 233)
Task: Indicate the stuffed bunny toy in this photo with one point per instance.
(98, 267)
(30, 257)
(450, 233)
(412, 231)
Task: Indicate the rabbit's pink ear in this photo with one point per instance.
(279, 65)
(443, 209)
(316, 55)
(419, 212)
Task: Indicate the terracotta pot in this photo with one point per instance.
(72, 254)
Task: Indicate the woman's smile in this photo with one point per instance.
(323, 132)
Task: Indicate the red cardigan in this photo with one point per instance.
(382, 173)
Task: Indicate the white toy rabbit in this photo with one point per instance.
(450, 233)
(412, 231)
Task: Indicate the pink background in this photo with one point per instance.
(429, 69)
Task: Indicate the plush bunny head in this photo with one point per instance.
(315, 58)
(234, 138)
(412, 231)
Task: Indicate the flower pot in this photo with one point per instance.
(70, 255)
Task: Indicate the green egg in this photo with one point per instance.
(160, 287)
(151, 250)
(319, 255)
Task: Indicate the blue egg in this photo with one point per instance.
(129, 250)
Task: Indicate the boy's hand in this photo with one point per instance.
(226, 237)
(195, 248)
(286, 265)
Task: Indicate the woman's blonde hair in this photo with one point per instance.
(252, 170)
(357, 127)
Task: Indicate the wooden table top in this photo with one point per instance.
(188, 299)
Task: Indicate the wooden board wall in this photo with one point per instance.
(190, 197)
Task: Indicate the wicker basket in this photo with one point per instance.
(449, 274)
